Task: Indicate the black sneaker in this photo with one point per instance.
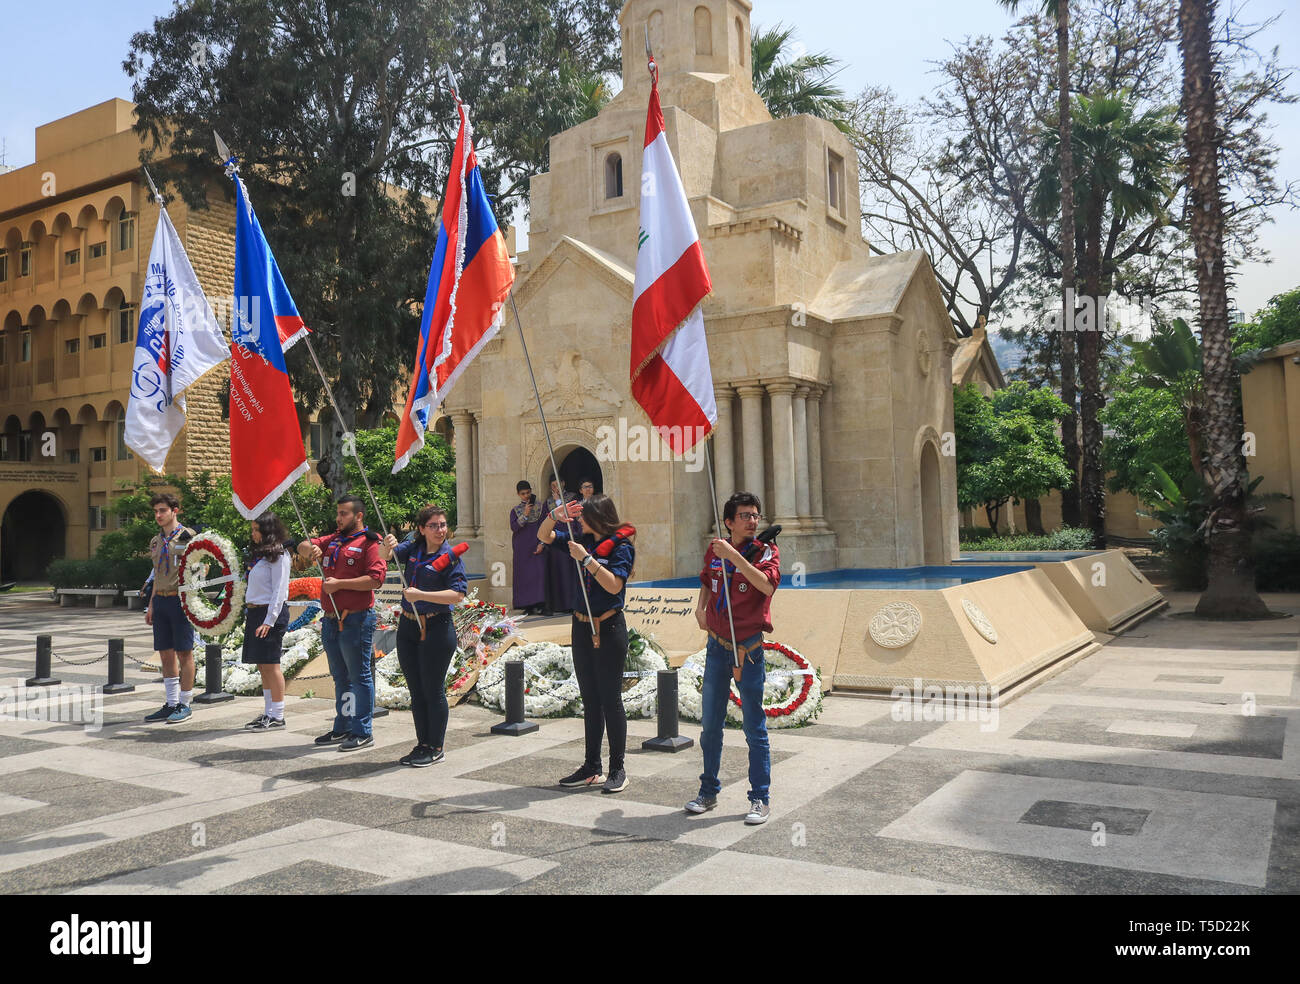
(256, 723)
(353, 742)
(267, 723)
(162, 714)
(427, 757)
(616, 782)
(585, 776)
(332, 738)
(406, 759)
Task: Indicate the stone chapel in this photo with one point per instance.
(832, 367)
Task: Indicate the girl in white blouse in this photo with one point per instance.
(267, 615)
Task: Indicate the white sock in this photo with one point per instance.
(173, 687)
(266, 701)
(277, 710)
(185, 696)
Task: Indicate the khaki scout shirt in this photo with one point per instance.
(166, 576)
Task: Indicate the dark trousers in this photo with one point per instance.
(600, 681)
(424, 664)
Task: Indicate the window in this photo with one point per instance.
(835, 182)
(98, 341)
(126, 231)
(26, 347)
(72, 257)
(314, 437)
(613, 176)
(2, 349)
(4, 447)
(25, 446)
(703, 31)
(96, 250)
(125, 323)
(25, 261)
(123, 452)
(99, 454)
(72, 346)
(4, 266)
(98, 517)
(72, 456)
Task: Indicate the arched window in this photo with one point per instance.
(741, 42)
(703, 31)
(614, 176)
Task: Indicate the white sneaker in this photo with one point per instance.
(758, 813)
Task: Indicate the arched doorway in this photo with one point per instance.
(933, 550)
(576, 464)
(33, 532)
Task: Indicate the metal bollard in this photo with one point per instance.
(44, 648)
(212, 693)
(514, 724)
(375, 710)
(117, 668)
(668, 740)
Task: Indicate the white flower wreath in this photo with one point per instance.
(212, 622)
(792, 693)
(550, 687)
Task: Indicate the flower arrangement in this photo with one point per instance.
(550, 687)
(792, 693)
(206, 548)
(299, 648)
(304, 589)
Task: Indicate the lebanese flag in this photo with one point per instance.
(266, 449)
(469, 281)
(671, 376)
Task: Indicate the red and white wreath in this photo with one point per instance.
(792, 693)
(212, 548)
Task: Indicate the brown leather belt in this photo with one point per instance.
(744, 651)
(344, 613)
(595, 636)
(165, 594)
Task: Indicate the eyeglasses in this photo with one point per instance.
(746, 517)
(435, 526)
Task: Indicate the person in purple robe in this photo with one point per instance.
(529, 587)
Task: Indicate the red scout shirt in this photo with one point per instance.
(751, 609)
(346, 556)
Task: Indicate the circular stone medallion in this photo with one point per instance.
(981, 621)
(895, 625)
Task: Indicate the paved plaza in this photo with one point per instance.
(1140, 769)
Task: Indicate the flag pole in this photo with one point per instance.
(232, 168)
(546, 431)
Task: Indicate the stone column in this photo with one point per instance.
(801, 478)
(816, 502)
(461, 423)
(751, 402)
(781, 394)
(475, 476)
(724, 453)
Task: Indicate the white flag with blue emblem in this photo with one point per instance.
(177, 342)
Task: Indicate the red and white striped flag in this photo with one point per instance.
(671, 376)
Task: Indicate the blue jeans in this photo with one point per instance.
(350, 654)
(716, 693)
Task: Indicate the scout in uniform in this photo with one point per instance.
(741, 574)
(173, 636)
(352, 569)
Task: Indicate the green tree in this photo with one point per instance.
(1170, 361)
(804, 83)
(430, 477)
(345, 127)
(1231, 589)
(1145, 427)
(1007, 446)
(1278, 322)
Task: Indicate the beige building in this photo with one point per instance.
(831, 367)
(75, 231)
(1270, 399)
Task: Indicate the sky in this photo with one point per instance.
(71, 51)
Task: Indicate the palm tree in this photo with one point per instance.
(1231, 570)
(1124, 172)
(1171, 360)
(796, 86)
(1059, 10)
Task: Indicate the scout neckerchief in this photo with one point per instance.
(415, 560)
(338, 542)
(728, 570)
(606, 547)
(167, 539)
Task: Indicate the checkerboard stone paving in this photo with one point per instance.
(1166, 763)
